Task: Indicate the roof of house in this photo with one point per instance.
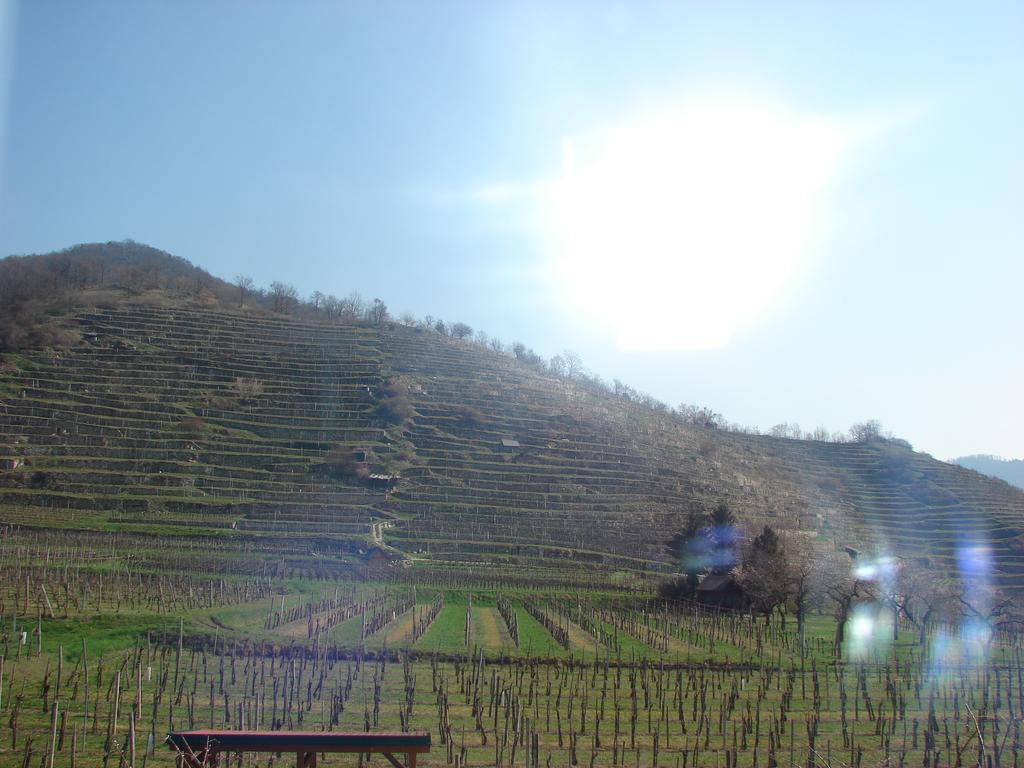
(716, 581)
(508, 442)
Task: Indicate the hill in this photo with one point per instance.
(1010, 470)
(187, 429)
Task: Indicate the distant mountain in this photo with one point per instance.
(1010, 470)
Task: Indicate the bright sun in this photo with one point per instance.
(675, 230)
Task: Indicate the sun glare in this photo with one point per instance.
(675, 230)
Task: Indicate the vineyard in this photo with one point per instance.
(98, 671)
(217, 519)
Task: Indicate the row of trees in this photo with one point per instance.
(788, 574)
(284, 299)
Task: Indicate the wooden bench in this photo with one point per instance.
(200, 749)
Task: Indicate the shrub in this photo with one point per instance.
(680, 587)
(394, 405)
(342, 463)
(193, 426)
(469, 416)
(248, 388)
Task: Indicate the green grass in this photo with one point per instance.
(447, 632)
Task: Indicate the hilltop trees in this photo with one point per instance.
(461, 330)
(285, 297)
(866, 431)
(351, 308)
(699, 416)
(244, 283)
(31, 285)
(377, 313)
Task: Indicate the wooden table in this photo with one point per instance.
(200, 749)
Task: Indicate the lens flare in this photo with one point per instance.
(675, 230)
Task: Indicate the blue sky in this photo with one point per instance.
(562, 174)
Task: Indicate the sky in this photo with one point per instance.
(787, 212)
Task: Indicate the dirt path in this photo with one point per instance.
(580, 639)
(295, 629)
(399, 630)
(489, 629)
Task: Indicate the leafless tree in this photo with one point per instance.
(244, 283)
(351, 308)
(924, 595)
(843, 588)
(994, 611)
(821, 434)
(461, 330)
(331, 306)
(700, 416)
(285, 296)
(866, 431)
(377, 313)
(573, 364)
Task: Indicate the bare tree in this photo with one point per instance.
(351, 308)
(806, 568)
(821, 434)
(244, 283)
(331, 306)
(248, 388)
(866, 431)
(461, 330)
(993, 611)
(377, 313)
(924, 596)
(285, 296)
(573, 364)
(843, 588)
(788, 430)
(700, 416)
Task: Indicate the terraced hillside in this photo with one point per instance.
(211, 428)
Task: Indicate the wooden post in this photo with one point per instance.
(53, 733)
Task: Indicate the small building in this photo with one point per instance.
(381, 482)
(508, 442)
(853, 552)
(722, 590)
